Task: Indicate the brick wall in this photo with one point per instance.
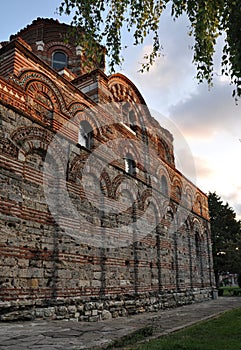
(80, 237)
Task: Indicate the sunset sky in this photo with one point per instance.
(207, 120)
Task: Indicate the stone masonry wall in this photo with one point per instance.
(48, 273)
(95, 219)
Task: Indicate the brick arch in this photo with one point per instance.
(28, 139)
(177, 184)
(90, 117)
(105, 178)
(76, 170)
(76, 107)
(198, 197)
(130, 148)
(197, 227)
(169, 219)
(189, 196)
(29, 77)
(67, 48)
(170, 209)
(44, 101)
(164, 151)
(121, 93)
(117, 182)
(59, 45)
(144, 197)
(76, 167)
(23, 135)
(159, 172)
(36, 87)
(198, 204)
(122, 89)
(151, 198)
(156, 210)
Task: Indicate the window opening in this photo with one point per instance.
(130, 165)
(85, 134)
(60, 60)
(132, 119)
(198, 246)
(178, 192)
(164, 187)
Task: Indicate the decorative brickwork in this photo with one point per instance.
(96, 230)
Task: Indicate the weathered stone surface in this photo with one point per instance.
(105, 315)
(72, 335)
(78, 239)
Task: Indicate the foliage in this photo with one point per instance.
(226, 238)
(229, 291)
(222, 332)
(106, 20)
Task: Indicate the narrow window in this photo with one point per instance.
(128, 116)
(178, 192)
(198, 246)
(60, 60)
(164, 187)
(85, 134)
(132, 119)
(130, 165)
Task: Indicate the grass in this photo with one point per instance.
(223, 332)
(230, 291)
(131, 339)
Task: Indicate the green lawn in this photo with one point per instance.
(230, 291)
(223, 332)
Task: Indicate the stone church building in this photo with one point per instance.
(96, 221)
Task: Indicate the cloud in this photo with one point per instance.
(233, 200)
(171, 77)
(205, 120)
(207, 112)
(203, 168)
(237, 208)
(233, 196)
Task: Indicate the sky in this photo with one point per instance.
(205, 121)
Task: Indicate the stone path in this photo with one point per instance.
(71, 335)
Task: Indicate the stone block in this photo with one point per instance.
(106, 315)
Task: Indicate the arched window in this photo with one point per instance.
(164, 151)
(164, 186)
(132, 119)
(60, 60)
(178, 192)
(85, 137)
(197, 244)
(130, 165)
(189, 201)
(128, 115)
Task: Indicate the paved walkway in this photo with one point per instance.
(50, 335)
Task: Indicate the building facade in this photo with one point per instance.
(96, 220)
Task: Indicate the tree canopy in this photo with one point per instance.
(226, 236)
(105, 21)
